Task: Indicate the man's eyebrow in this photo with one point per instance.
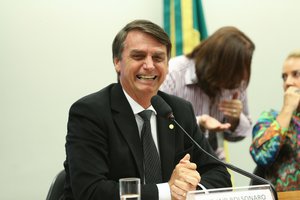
(157, 53)
(160, 53)
(136, 51)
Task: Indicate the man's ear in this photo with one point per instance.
(117, 65)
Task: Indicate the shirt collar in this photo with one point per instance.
(136, 108)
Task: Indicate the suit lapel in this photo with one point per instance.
(125, 121)
(166, 137)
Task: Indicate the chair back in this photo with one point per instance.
(57, 186)
(259, 171)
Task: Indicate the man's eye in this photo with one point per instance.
(138, 57)
(158, 59)
(284, 76)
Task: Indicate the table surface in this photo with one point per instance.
(290, 195)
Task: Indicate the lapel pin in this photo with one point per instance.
(171, 126)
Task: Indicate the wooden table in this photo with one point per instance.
(290, 195)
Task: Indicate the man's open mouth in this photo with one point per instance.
(144, 77)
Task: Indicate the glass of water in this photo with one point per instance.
(130, 188)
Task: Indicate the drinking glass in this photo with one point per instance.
(130, 188)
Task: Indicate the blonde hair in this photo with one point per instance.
(294, 54)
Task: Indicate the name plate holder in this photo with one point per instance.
(255, 192)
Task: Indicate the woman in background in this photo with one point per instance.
(276, 135)
(214, 78)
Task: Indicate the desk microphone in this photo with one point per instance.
(164, 110)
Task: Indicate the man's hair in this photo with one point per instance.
(223, 61)
(144, 26)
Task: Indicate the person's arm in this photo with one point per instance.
(242, 130)
(213, 174)
(91, 143)
(268, 136)
(271, 129)
(290, 104)
(87, 155)
(237, 114)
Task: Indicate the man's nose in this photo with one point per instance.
(149, 64)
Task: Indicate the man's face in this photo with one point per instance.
(143, 66)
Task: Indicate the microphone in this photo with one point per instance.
(164, 110)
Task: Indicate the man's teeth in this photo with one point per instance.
(146, 77)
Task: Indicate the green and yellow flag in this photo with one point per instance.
(184, 22)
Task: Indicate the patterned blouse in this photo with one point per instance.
(278, 150)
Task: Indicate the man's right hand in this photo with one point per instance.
(184, 178)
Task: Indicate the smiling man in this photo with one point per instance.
(143, 66)
(105, 139)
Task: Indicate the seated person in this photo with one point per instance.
(104, 139)
(276, 135)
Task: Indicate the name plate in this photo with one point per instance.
(258, 192)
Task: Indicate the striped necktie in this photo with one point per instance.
(152, 165)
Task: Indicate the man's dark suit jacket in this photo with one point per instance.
(103, 145)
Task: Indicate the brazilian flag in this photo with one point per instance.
(185, 24)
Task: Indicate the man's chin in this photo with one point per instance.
(148, 90)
